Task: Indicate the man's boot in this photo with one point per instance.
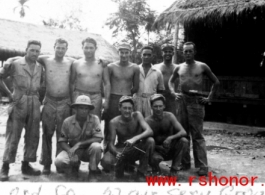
(203, 171)
(46, 170)
(93, 175)
(4, 172)
(27, 169)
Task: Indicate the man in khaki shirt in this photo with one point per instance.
(24, 110)
(80, 140)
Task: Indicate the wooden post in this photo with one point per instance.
(176, 38)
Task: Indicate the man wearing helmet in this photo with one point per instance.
(80, 140)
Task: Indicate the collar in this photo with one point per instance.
(152, 67)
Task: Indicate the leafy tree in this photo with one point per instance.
(132, 15)
(22, 7)
(69, 22)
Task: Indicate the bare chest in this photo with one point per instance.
(94, 71)
(122, 73)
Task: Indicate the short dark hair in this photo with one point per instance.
(33, 42)
(89, 40)
(120, 104)
(60, 40)
(147, 47)
(190, 43)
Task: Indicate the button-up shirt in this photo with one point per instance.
(151, 82)
(24, 81)
(72, 133)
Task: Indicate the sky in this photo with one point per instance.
(93, 13)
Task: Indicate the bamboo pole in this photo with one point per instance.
(176, 38)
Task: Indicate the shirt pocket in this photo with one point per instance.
(21, 80)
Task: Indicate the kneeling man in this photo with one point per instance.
(134, 141)
(80, 140)
(169, 135)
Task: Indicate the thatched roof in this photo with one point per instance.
(185, 11)
(15, 35)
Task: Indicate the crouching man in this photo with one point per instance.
(169, 135)
(134, 141)
(80, 140)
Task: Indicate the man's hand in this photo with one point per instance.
(71, 152)
(204, 100)
(106, 105)
(166, 143)
(161, 150)
(119, 155)
(177, 96)
(130, 142)
(74, 159)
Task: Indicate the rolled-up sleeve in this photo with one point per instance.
(96, 131)
(5, 71)
(64, 135)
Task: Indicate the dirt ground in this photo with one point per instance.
(232, 151)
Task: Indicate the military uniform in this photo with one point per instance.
(72, 133)
(24, 111)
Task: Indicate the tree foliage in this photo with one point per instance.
(132, 15)
(22, 7)
(71, 22)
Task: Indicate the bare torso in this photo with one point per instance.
(161, 128)
(121, 78)
(191, 76)
(88, 75)
(57, 76)
(127, 130)
(167, 71)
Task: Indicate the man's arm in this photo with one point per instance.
(177, 128)
(106, 80)
(160, 86)
(5, 71)
(215, 85)
(147, 131)
(72, 81)
(136, 79)
(171, 83)
(112, 137)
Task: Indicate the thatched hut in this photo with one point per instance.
(15, 35)
(230, 38)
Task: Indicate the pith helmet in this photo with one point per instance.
(83, 100)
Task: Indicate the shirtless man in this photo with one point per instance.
(190, 104)
(87, 75)
(133, 135)
(124, 80)
(167, 68)
(169, 135)
(57, 99)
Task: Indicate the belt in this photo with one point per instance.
(146, 95)
(87, 92)
(31, 93)
(198, 94)
(56, 98)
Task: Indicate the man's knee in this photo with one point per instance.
(184, 141)
(108, 161)
(156, 159)
(62, 160)
(95, 148)
(150, 141)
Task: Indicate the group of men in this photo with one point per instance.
(145, 119)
